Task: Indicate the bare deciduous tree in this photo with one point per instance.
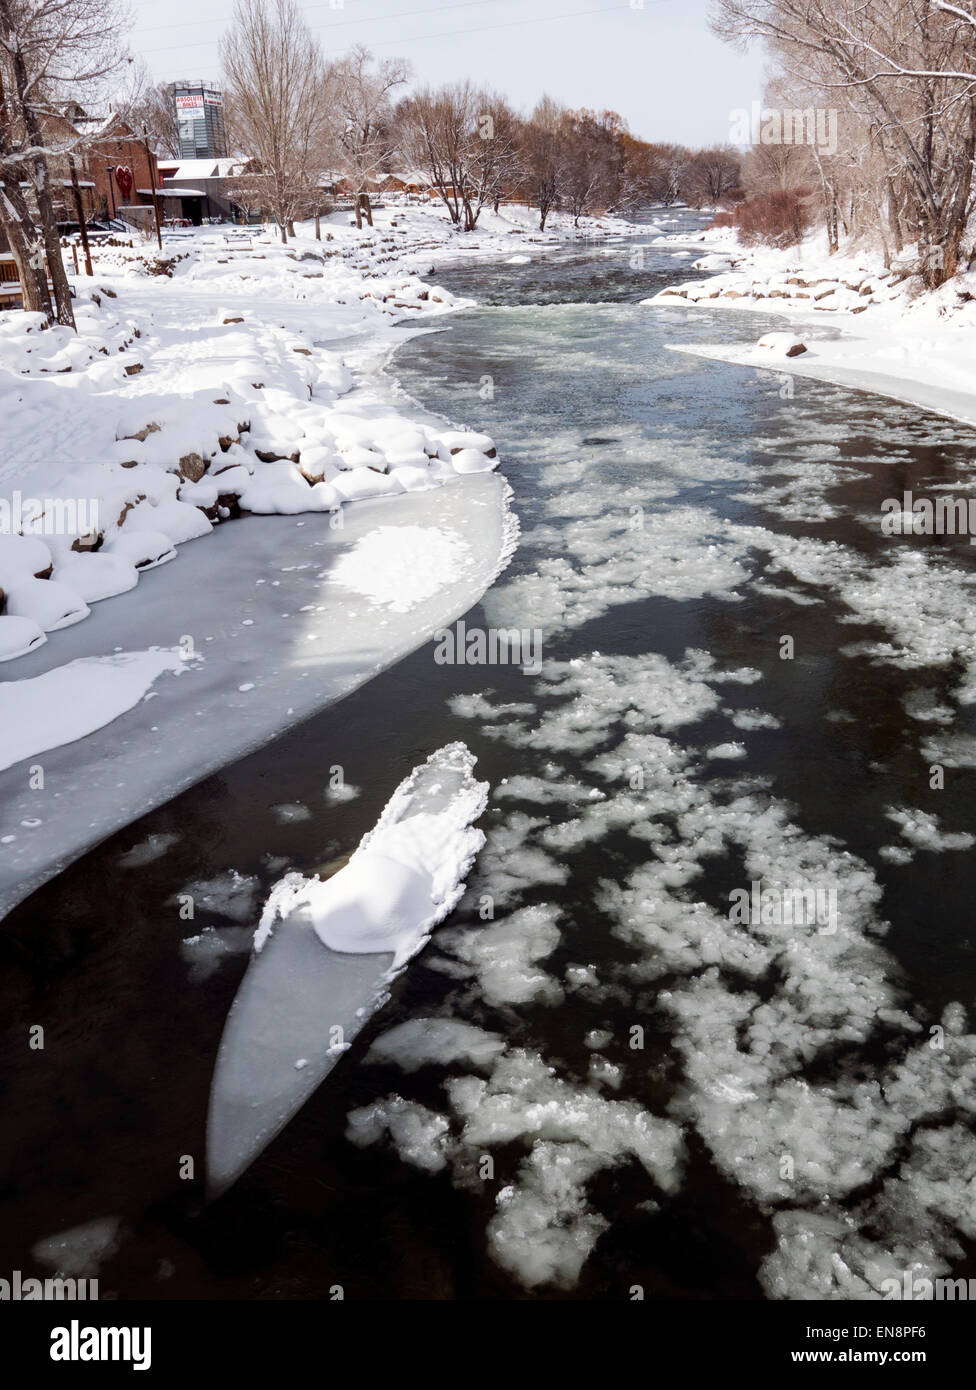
(276, 100)
(147, 105)
(361, 137)
(905, 70)
(542, 156)
(50, 50)
(464, 138)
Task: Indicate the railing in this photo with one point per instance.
(10, 289)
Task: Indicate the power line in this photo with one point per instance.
(442, 34)
(326, 5)
(512, 24)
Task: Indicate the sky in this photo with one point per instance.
(653, 61)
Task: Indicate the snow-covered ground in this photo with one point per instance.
(237, 384)
(860, 324)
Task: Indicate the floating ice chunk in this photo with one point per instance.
(504, 955)
(287, 812)
(205, 952)
(345, 791)
(301, 997)
(922, 830)
(79, 1252)
(728, 751)
(420, 1136)
(231, 894)
(422, 1042)
(151, 848)
(750, 719)
(543, 1231)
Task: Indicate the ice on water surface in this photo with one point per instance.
(326, 953)
(259, 637)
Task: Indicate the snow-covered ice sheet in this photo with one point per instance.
(321, 971)
(279, 641)
(65, 704)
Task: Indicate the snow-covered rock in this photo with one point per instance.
(50, 604)
(19, 636)
(98, 575)
(781, 344)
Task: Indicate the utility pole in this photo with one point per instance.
(152, 183)
(81, 214)
(111, 186)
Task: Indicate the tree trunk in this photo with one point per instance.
(40, 179)
(291, 227)
(284, 232)
(369, 208)
(894, 222)
(33, 282)
(318, 227)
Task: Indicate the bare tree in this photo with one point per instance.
(147, 105)
(495, 162)
(464, 138)
(906, 72)
(361, 127)
(275, 100)
(592, 161)
(248, 192)
(542, 155)
(652, 173)
(49, 50)
(710, 176)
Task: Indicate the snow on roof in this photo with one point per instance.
(202, 168)
(168, 191)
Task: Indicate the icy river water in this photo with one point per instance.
(742, 683)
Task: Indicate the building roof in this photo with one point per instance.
(201, 168)
(168, 191)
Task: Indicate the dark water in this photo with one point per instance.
(99, 1123)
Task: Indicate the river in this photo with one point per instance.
(680, 519)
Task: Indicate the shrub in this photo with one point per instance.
(779, 218)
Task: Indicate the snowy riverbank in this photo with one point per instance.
(861, 325)
(343, 526)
